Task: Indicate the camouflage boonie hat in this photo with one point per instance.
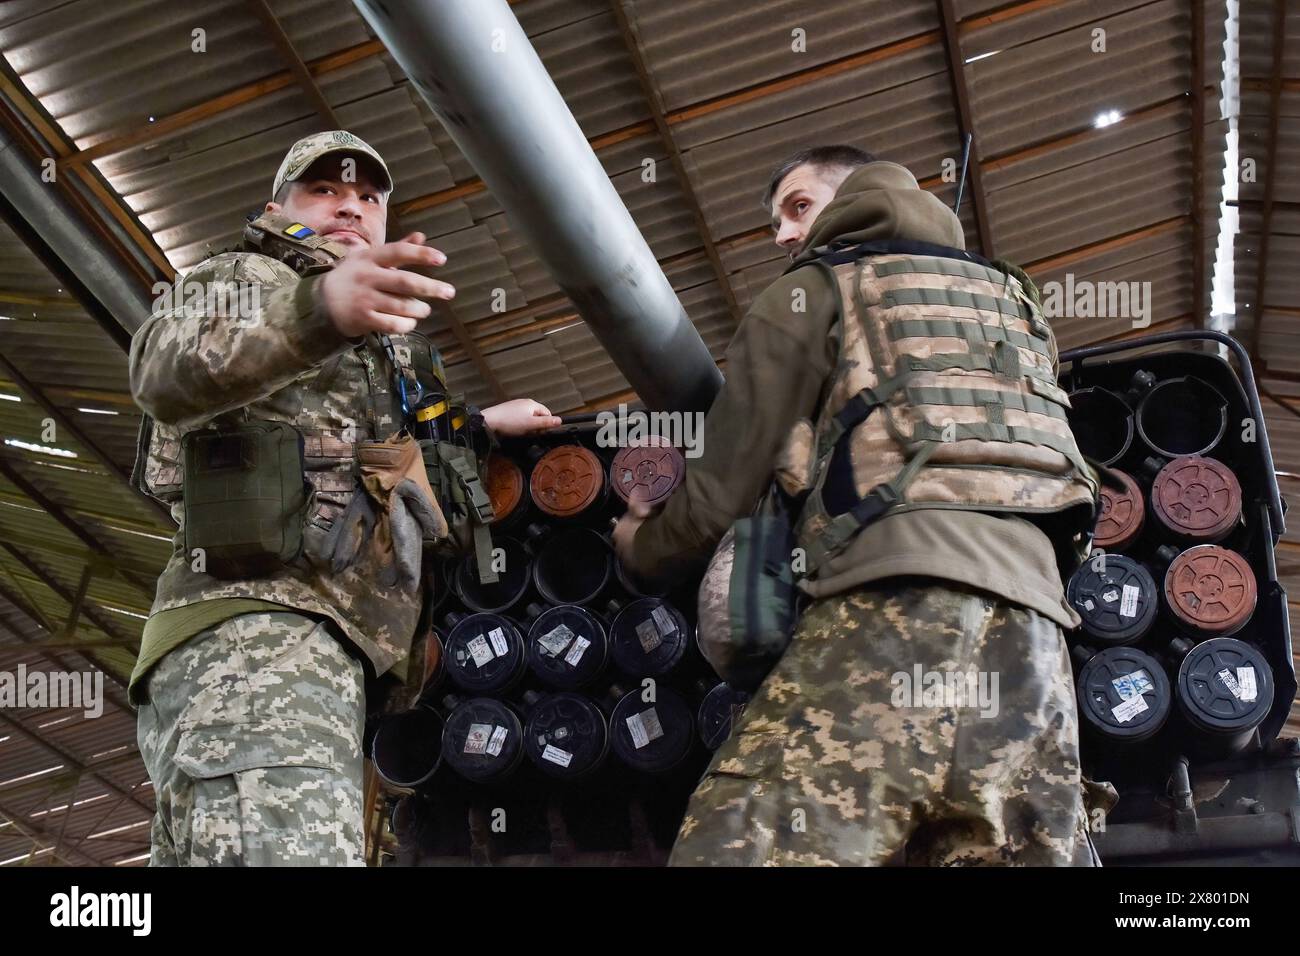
(311, 148)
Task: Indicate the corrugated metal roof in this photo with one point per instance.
(1278, 358)
(1282, 286)
(1061, 196)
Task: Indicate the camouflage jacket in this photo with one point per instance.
(257, 343)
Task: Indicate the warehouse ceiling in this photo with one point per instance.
(1107, 164)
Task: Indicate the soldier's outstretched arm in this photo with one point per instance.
(248, 335)
(207, 354)
(776, 366)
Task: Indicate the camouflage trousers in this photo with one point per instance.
(252, 738)
(853, 753)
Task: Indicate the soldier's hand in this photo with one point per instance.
(369, 290)
(626, 527)
(519, 416)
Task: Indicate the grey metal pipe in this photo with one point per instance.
(474, 66)
(40, 207)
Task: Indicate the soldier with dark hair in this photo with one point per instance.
(903, 392)
(815, 170)
(251, 676)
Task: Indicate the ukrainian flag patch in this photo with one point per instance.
(299, 231)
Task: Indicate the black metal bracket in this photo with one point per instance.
(1180, 789)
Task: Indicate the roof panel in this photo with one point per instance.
(1066, 198)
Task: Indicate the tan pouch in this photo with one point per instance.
(385, 464)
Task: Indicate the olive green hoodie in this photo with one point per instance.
(777, 366)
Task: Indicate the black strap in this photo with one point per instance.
(839, 251)
(874, 504)
(857, 409)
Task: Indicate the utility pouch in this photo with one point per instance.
(245, 497)
(749, 604)
(454, 472)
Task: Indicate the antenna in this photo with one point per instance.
(961, 183)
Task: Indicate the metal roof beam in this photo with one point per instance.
(296, 66)
(70, 628)
(56, 512)
(1106, 245)
(1288, 84)
(53, 220)
(45, 140)
(966, 122)
(26, 604)
(91, 611)
(34, 541)
(233, 99)
(42, 839)
(447, 312)
(655, 101)
(1170, 105)
(72, 428)
(27, 298)
(71, 760)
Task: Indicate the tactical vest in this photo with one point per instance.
(944, 396)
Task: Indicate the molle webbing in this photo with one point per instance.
(953, 299)
(985, 397)
(913, 391)
(973, 331)
(941, 266)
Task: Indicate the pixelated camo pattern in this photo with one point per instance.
(252, 738)
(830, 766)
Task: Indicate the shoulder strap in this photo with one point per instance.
(305, 251)
(838, 252)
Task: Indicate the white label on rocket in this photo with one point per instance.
(645, 727)
(1249, 688)
(648, 635)
(1130, 708)
(476, 741)
(1230, 682)
(556, 640)
(481, 651)
(575, 652)
(556, 755)
(1128, 606)
(664, 620)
